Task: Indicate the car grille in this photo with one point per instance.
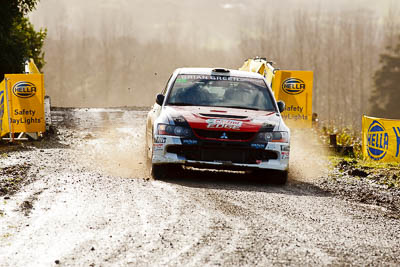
(222, 153)
(225, 135)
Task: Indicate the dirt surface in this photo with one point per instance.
(378, 186)
(83, 197)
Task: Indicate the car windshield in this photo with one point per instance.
(221, 91)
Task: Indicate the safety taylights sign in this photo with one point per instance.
(295, 89)
(22, 104)
(381, 139)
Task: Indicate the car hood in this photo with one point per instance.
(226, 119)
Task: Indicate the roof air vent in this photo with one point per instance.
(220, 70)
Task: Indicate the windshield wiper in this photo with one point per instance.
(181, 104)
(239, 107)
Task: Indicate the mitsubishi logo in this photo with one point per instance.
(224, 136)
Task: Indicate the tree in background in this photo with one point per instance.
(18, 38)
(385, 98)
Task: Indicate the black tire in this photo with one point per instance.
(272, 176)
(165, 171)
(280, 177)
(158, 171)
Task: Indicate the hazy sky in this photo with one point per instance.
(214, 20)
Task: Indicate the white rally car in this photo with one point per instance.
(218, 119)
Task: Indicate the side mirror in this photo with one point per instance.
(281, 105)
(160, 99)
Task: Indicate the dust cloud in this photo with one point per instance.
(308, 158)
(118, 152)
(112, 141)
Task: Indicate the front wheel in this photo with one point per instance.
(158, 171)
(280, 177)
(273, 176)
(165, 171)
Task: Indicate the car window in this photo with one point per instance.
(221, 91)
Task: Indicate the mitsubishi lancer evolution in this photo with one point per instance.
(217, 119)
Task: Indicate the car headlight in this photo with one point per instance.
(281, 137)
(166, 129)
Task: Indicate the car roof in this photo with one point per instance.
(209, 71)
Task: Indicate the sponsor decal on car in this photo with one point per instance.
(189, 142)
(185, 78)
(157, 147)
(285, 148)
(223, 124)
(258, 146)
(285, 151)
(160, 140)
(285, 154)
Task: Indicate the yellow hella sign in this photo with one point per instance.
(295, 89)
(381, 139)
(24, 113)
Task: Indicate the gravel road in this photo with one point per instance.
(86, 199)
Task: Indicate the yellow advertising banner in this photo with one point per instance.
(23, 104)
(2, 109)
(295, 89)
(380, 139)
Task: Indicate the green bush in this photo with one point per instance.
(18, 38)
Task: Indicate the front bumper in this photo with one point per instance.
(220, 154)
